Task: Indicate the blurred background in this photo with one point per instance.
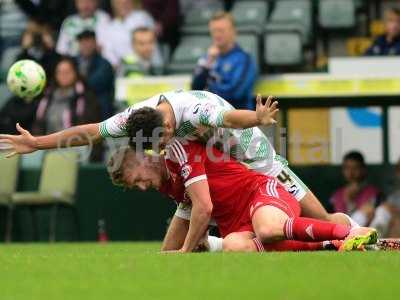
(332, 64)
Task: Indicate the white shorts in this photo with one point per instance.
(286, 177)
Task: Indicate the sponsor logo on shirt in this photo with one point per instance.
(185, 172)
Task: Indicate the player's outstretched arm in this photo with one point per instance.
(201, 213)
(25, 142)
(264, 115)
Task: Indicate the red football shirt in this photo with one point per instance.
(231, 184)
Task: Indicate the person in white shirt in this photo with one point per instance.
(89, 17)
(118, 35)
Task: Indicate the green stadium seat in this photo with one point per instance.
(196, 22)
(337, 14)
(8, 185)
(57, 186)
(297, 13)
(283, 48)
(249, 43)
(9, 57)
(188, 52)
(250, 16)
(5, 94)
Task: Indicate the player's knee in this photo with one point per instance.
(269, 233)
(237, 245)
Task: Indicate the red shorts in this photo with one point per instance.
(270, 193)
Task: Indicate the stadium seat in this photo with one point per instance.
(377, 28)
(33, 160)
(188, 52)
(283, 48)
(57, 186)
(9, 56)
(358, 46)
(297, 13)
(8, 186)
(336, 14)
(250, 16)
(196, 22)
(4, 94)
(249, 43)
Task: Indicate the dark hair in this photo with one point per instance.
(86, 34)
(145, 119)
(355, 155)
(393, 10)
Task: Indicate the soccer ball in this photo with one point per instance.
(26, 79)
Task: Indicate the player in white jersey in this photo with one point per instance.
(199, 115)
(194, 115)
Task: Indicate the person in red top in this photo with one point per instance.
(241, 201)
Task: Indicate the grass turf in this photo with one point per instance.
(137, 271)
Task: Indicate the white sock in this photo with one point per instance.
(353, 224)
(381, 220)
(215, 243)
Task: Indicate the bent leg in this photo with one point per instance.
(246, 242)
(311, 207)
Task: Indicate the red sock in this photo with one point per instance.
(287, 245)
(307, 229)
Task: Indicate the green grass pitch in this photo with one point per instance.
(137, 271)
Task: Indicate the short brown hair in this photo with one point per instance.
(223, 15)
(394, 10)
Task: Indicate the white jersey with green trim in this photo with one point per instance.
(199, 116)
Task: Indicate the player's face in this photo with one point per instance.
(353, 171)
(222, 33)
(142, 177)
(144, 43)
(86, 8)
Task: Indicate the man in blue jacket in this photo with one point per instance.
(227, 70)
(97, 71)
(388, 43)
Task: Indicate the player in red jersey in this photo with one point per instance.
(241, 201)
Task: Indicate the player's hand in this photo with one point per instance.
(266, 113)
(18, 144)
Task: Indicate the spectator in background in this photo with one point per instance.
(51, 12)
(126, 18)
(67, 102)
(12, 24)
(17, 110)
(38, 44)
(167, 15)
(89, 17)
(387, 216)
(145, 58)
(226, 70)
(97, 72)
(389, 43)
(357, 198)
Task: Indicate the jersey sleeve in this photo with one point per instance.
(190, 157)
(116, 125)
(207, 113)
